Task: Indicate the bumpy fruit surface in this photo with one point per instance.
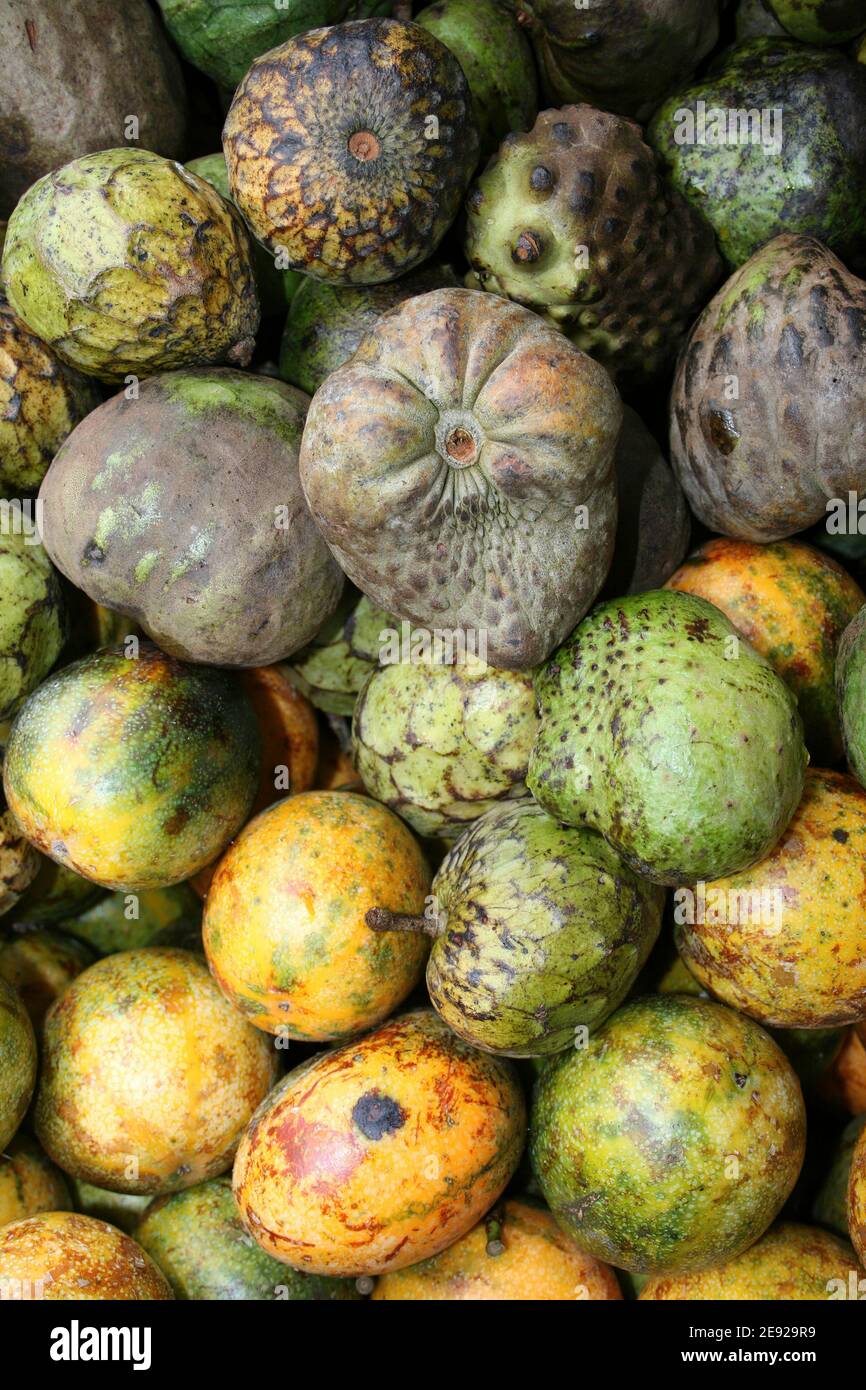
(149, 1076)
(344, 652)
(197, 1240)
(790, 1263)
(382, 1153)
(124, 263)
(767, 408)
(285, 931)
(792, 603)
(460, 466)
(442, 743)
(63, 1256)
(29, 1182)
(32, 616)
(241, 576)
(134, 772)
(17, 1062)
(349, 149)
(782, 940)
(533, 1259)
(575, 220)
(671, 1140)
(665, 731)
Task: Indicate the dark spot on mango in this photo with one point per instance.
(377, 1115)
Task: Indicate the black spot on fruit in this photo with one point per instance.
(841, 836)
(377, 1115)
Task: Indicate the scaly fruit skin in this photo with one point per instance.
(541, 929)
(814, 185)
(496, 60)
(223, 40)
(793, 961)
(333, 668)
(29, 1182)
(671, 1140)
(791, 1263)
(40, 965)
(350, 148)
(539, 1263)
(830, 1207)
(124, 922)
(19, 861)
(460, 467)
(857, 1198)
(768, 408)
(41, 401)
(654, 526)
(621, 56)
(60, 1256)
(326, 324)
(197, 1240)
(32, 618)
(241, 577)
(575, 221)
(382, 1153)
(284, 929)
(850, 686)
(149, 1077)
(17, 1062)
(792, 603)
(441, 744)
(820, 21)
(134, 772)
(124, 263)
(662, 729)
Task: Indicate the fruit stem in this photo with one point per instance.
(493, 1227)
(380, 919)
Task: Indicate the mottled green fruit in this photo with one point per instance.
(56, 893)
(559, 221)
(539, 930)
(125, 921)
(672, 1139)
(442, 743)
(277, 288)
(326, 323)
(665, 731)
(812, 180)
(17, 1061)
(820, 21)
(496, 60)
(120, 1209)
(125, 263)
(851, 693)
(830, 1207)
(223, 39)
(241, 577)
(332, 669)
(197, 1239)
(32, 616)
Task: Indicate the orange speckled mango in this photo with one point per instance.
(793, 603)
(791, 1263)
(539, 1263)
(284, 929)
(61, 1256)
(29, 1182)
(149, 1077)
(381, 1153)
(787, 941)
(857, 1198)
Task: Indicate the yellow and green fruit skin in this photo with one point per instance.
(332, 669)
(541, 930)
(124, 263)
(149, 1077)
(672, 1139)
(29, 1182)
(62, 1256)
(285, 932)
(40, 965)
(197, 1240)
(17, 1061)
(791, 1263)
(32, 617)
(124, 921)
(133, 771)
(830, 1207)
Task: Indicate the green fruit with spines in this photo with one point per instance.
(333, 668)
(665, 731)
(124, 264)
(672, 1139)
(17, 1062)
(32, 615)
(813, 184)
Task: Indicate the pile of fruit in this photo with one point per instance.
(433, 650)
